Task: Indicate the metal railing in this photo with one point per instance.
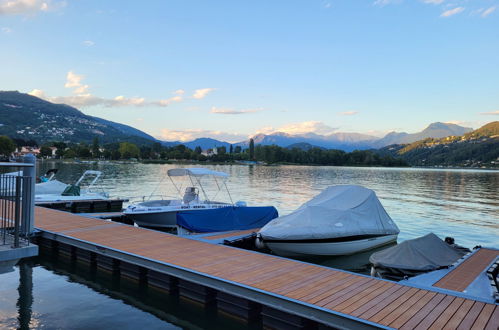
(16, 205)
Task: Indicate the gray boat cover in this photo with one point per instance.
(338, 211)
(420, 254)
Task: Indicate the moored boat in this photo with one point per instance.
(190, 213)
(341, 220)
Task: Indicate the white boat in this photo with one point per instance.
(163, 213)
(341, 220)
(53, 190)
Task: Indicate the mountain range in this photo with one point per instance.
(474, 149)
(28, 117)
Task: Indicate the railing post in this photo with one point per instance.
(28, 213)
(17, 211)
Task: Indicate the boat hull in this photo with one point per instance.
(154, 220)
(310, 249)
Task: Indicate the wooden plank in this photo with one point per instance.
(435, 313)
(412, 292)
(459, 315)
(483, 318)
(348, 292)
(359, 299)
(405, 311)
(311, 281)
(335, 288)
(323, 291)
(466, 272)
(352, 305)
(309, 288)
(416, 318)
(472, 315)
(493, 323)
(375, 305)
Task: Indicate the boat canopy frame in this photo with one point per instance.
(197, 173)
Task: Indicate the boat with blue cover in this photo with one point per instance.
(190, 213)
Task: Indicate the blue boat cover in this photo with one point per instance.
(226, 218)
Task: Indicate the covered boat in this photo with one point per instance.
(341, 220)
(414, 257)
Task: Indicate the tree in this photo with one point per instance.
(129, 150)
(45, 151)
(95, 148)
(7, 146)
(198, 150)
(231, 149)
(237, 149)
(221, 151)
(70, 153)
(252, 149)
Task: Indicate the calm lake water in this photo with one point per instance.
(463, 204)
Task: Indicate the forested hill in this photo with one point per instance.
(23, 116)
(479, 148)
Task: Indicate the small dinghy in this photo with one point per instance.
(415, 256)
(341, 220)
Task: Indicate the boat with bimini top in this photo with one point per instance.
(190, 213)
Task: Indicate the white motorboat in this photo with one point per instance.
(341, 220)
(163, 213)
(50, 189)
(53, 190)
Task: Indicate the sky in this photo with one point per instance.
(182, 69)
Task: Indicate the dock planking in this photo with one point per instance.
(365, 300)
(466, 272)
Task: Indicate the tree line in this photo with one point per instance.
(269, 154)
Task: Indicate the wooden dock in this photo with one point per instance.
(290, 293)
(465, 273)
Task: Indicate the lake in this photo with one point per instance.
(47, 293)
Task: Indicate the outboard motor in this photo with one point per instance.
(191, 194)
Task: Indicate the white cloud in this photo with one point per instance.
(452, 12)
(349, 113)
(191, 134)
(88, 43)
(82, 98)
(201, 93)
(89, 100)
(73, 80)
(6, 30)
(222, 111)
(488, 11)
(458, 122)
(15, 7)
(492, 113)
(166, 102)
(38, 93)
(433, 2)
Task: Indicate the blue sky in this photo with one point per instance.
(229, 69)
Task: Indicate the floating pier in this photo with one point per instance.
(279, 292)
(85, 206)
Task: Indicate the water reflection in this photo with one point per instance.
(25, 290)
(57, 293)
